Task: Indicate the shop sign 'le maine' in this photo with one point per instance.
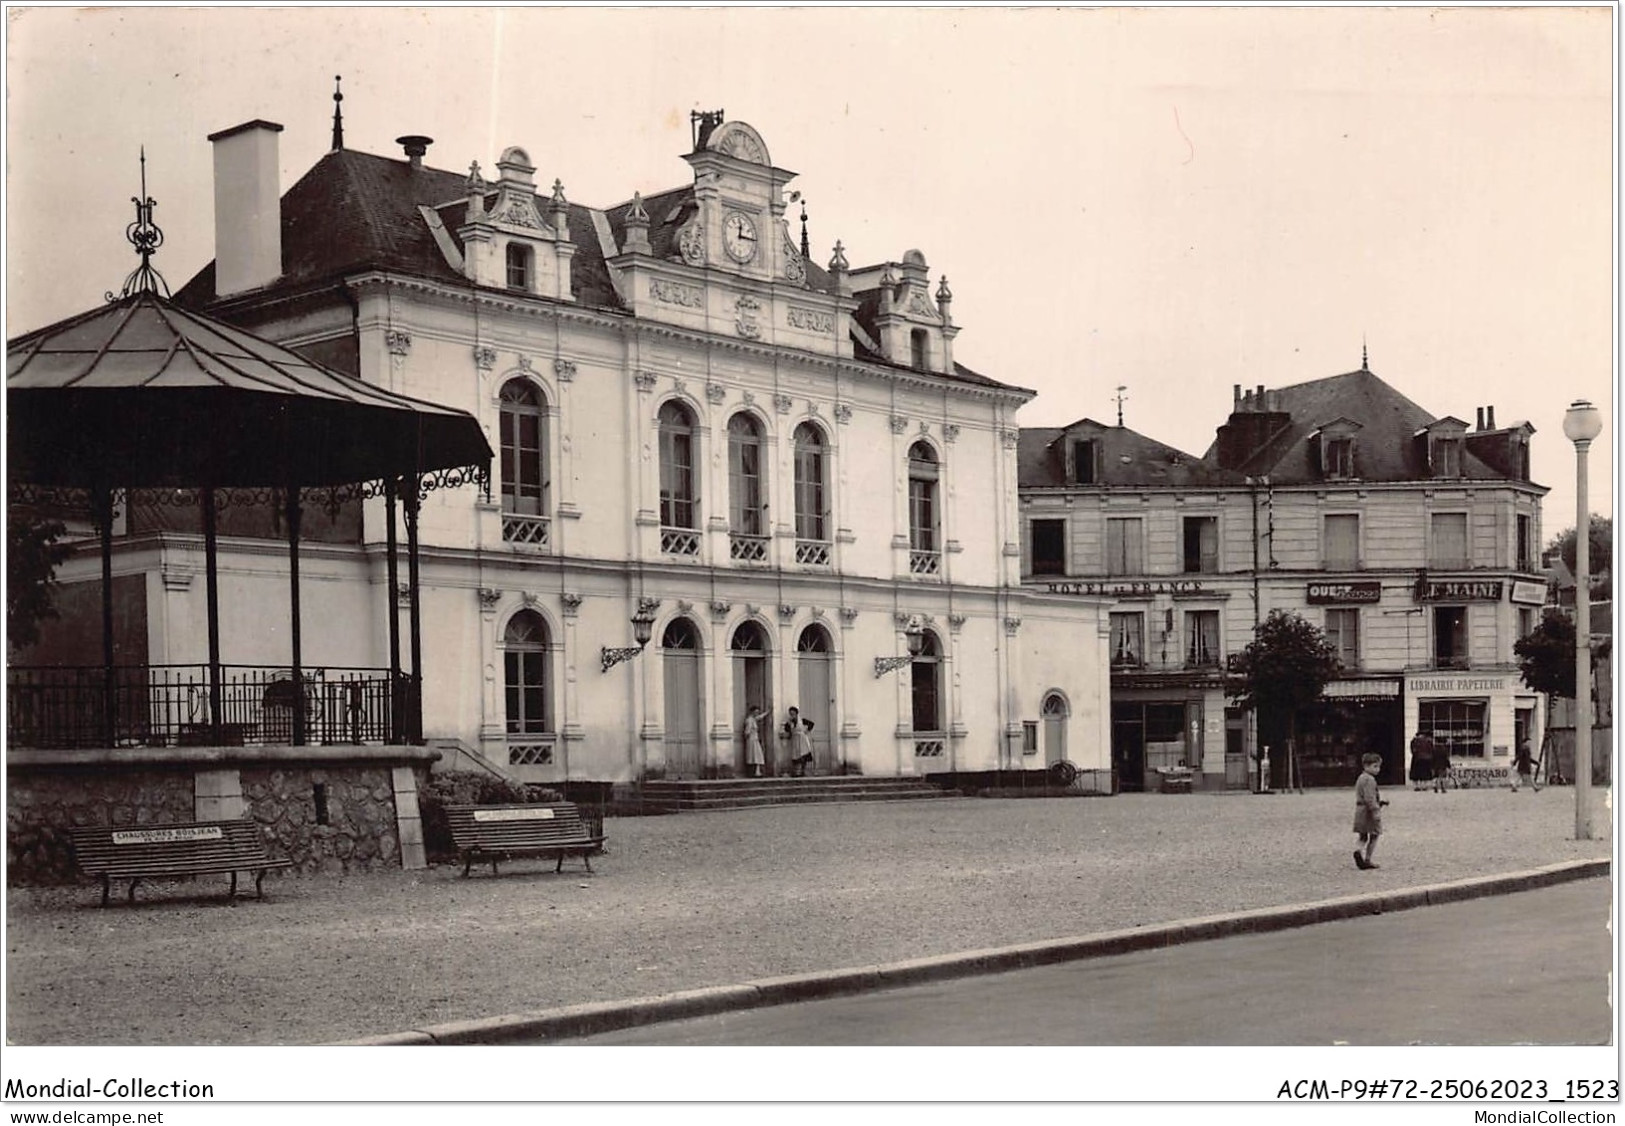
(1458, 590)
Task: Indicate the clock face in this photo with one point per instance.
(739, 237)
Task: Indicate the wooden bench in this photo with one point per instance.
(186, 848)
(499, 832)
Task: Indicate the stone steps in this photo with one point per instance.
(747, 793)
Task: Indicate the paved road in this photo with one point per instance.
(1531, 967)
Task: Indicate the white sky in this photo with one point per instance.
(1171, 199)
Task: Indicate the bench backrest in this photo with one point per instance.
(167, 847)
(516, 826)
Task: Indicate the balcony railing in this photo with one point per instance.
(529, 530)
(679, 541)
(924, 562)
(928, 748)
(813, 553)
(530, 750)
(1449, 662)
(747, 549)
(168, 705)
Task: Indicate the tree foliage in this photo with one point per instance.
(32, 557)
(1602, 546)
(1284, 667)
(1546, 656)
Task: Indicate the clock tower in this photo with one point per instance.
(739, 224)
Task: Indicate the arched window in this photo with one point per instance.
(525, 660)
(746, 487)
(923, 475)
(524, 449)
(814, 639)
(518, 267)
(1055, 705)
(680, 634)
(926, 674)
(677, 487)
(748, 638)
(811, 493)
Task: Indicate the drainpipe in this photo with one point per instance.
(1252, 488)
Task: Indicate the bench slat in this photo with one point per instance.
(172, 849)
(553, 829)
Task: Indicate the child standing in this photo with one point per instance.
(1368, 805)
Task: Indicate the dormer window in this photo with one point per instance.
(1340, 458)
(1445, 456)
(919, 350)
(518, 267)
(1084, 452)
(1332, 446)
(1446, 439)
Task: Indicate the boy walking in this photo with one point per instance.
(1368, 805)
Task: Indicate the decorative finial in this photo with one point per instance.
(837, 261)
(476, 182)
(1365, 363)
(145, 236)
(1120, 397)
(806, 247)
(338, 113)
(637, 214)
(944, 294)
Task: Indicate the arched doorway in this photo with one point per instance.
(752, 685)
(680, 665)
(816, 688)
(1055, 712)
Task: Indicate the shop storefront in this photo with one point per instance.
(1175, 728)
(1352, 718)
(1477, 717)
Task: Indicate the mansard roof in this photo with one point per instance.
(1127, 459)
(354, 211)
(1389, 449)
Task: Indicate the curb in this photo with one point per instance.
(575, 1021)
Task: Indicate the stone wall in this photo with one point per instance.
(330, 810)
(41, 806)
(351, 827)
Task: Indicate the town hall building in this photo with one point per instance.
(727, 477)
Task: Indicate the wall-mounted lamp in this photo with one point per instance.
(642, 629)
(914, 632)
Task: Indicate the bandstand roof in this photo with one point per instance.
(144, 393)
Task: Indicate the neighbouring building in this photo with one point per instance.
(1410, 540)
(775, 472)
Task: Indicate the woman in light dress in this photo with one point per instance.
(753, 742)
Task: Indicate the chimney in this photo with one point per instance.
(1235, 397)
(247, 208)
(415, 147)
(1481, 418)
(1489, 416)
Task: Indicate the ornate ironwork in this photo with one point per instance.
(454, 478)
(884, 665)
(169, 705)
(145, 236)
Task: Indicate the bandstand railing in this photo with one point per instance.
(169, 705)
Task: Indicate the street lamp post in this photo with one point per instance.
(1581, 425)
